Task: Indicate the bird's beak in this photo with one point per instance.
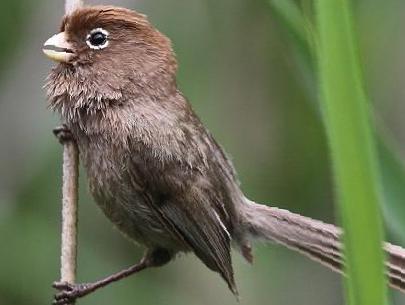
(58, 48)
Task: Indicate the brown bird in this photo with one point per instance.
(153, 168)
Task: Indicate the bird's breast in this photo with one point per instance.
(117, 181)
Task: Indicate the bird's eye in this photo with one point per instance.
(97, 39)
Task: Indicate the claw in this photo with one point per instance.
(62, 286)
(62, 133)
(62, 302)
(68, 292)
(64, 296)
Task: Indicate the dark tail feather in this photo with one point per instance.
(315, 239)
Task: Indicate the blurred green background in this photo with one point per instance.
(253, 86)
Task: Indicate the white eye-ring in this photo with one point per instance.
(97, 39)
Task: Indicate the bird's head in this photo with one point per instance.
(104, 51)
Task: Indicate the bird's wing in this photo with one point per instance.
(187, 185)
(194, 216)
(203, 230)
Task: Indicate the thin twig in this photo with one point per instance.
(69, 212)
(69, 196)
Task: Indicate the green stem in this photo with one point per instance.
(393, 170)
(353, 150)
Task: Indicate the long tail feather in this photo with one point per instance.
(315, 239)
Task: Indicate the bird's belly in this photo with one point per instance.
(123, 201)
(129, 214)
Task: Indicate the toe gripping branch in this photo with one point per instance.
(63, 134)
(68, 293)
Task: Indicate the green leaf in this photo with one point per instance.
(392, 169)
(354, 156)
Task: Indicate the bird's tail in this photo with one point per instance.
(315, 239)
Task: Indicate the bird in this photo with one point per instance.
(153, 168)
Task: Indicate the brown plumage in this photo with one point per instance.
(152, 167)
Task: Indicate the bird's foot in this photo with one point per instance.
(63, 134)
(68, 293)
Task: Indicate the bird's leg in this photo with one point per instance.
(63, 133)
(70, 292)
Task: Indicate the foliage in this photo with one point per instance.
(347, 118)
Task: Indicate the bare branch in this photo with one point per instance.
(69, 192)
(69, 212)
